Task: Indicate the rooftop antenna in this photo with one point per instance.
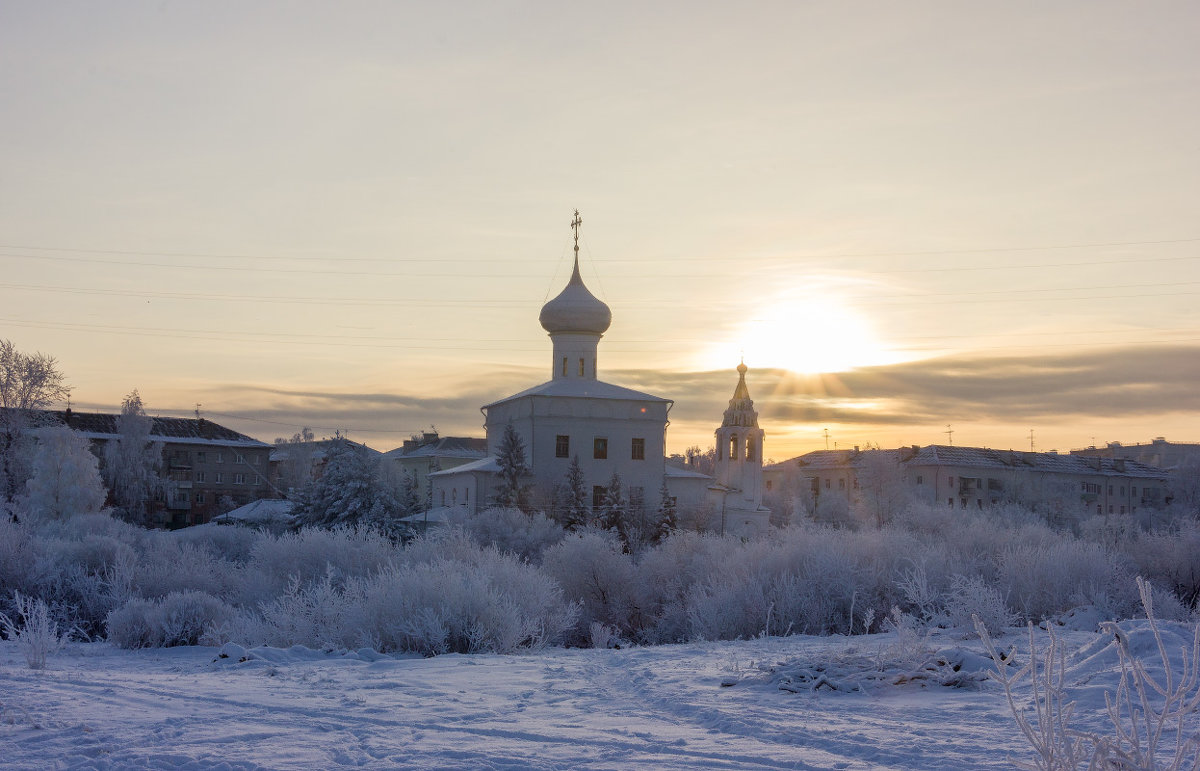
(827, 439)
(197, 410)
(949, 432)
(1031, 440)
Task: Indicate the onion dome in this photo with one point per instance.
(575, 310)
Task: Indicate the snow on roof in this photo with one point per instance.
(488, 465)
(674, 472)
(589, 389)
(446, 447)
(257, 512)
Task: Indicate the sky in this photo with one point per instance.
(911, 219)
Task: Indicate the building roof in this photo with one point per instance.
(447, 447)
(977, 457)
(319, 448)
(582, 389)
(674, 472)
(103, 425)
(264, 510)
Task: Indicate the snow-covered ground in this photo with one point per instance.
(710, 705)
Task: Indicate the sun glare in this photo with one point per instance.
(806, 334)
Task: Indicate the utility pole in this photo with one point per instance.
(1031, 440)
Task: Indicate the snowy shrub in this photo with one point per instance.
(1170, 557)
(1043, 579)
(665, 577)
(494, 604)
(37, 634)
(731, 608)
(1151, 712)
(18, 560)
(313, 614)
(594, 571)
(234, 544)
(971, 601)
(512, 530)
(180, 618)
(168, 565)
(311, 552)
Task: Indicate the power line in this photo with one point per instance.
(299, 258)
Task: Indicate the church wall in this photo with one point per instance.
(539, 421)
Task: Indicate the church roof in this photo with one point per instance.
(741, 407)
(485, 465)
(581, 389)
(575, 310)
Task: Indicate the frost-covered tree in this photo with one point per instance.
(614, 514)
(882, 487)
(296, 460)
(667, 517)
(28, 382)
(573, 499)
(512, 489)
(132, 461)
(66, 477)
(349, 492)
(409, 498)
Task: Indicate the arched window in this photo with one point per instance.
(750, 448)
(733, 447)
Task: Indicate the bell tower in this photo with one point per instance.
(740, 448)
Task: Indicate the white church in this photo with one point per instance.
(611, 429)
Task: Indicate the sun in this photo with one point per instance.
(806, 333)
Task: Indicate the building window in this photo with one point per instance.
(1122, 489)
(638, 451)
(1122, 509)
(199, 476)
(466, 495)
(257, 460)
(598, 493)
(237, 458)
(1110, 490)
(220, 457)
(201, 457)
(562, 446)
(950, 502)
(733, 447)
(1133, 491)
(749, 448)
(768, 484)
(826, 484)
(218, 477)
(920, 479)
(239, 479)
(950, 481)
(199, 497)
(600, 448)
(454, 497)
(443, 497)
(564, 369)
(581, 367)
(841, 484)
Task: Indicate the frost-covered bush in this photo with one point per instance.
(493, 604)
(180, 618)
(36, 633)
(593, 570)
(168, 565)
(1170, 557)
(235, 544)
(1040, 580)
(512, 530)
(470, 599)
(311, 552)
(972, 601)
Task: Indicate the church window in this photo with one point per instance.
(841, 484)
(598, 493)
(733, 448)
(1133, 491)
(950, 481)
(581, 367)
(454, 496)
(564, 366)
(750, 449)
(768, 484)
(920, 479)
(562, 446)
(639, 449)
(826, 484)
(600, 448)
